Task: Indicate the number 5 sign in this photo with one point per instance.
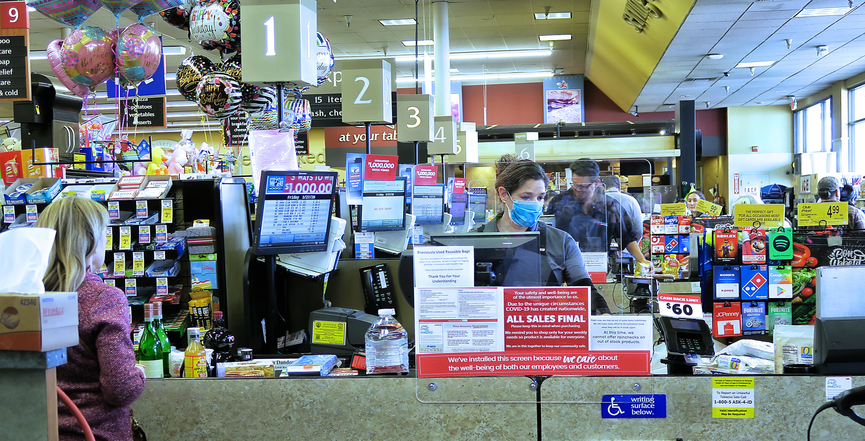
(14, 16)
(279, 40)
(366, 92)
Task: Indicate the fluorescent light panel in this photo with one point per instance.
(398, 22)
(411, 43)
(755, 63)
(555, 37)
(503, 76)
(822, 12)
(173, 50)
(551, 15)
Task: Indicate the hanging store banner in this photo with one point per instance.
(563, 99)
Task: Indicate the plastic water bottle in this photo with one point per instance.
(386, 345)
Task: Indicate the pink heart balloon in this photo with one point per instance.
(53, 51)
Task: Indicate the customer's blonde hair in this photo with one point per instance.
(79, 222)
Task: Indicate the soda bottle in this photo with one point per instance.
(386, 345)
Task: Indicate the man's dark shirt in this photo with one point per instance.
(593, 230)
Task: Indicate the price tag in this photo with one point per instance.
(125, 238)
(769, 215)
(8, 214)
(162, 286)
(32, 213)
(144, 234)
(161, 233)
(709, 208)
(141, 209)
(110, 282)
(137, 264)
(828, 213)
(109, 238)
(119, 264)
(673, 209)
(159, 255)
(167, 211)
(131, 288)
(113, 210)
(680, 306)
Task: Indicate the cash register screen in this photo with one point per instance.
(383, 206)
(478, 203)
(428, 204)
(458, 208)
(293, 214)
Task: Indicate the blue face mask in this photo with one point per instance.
(526, 213)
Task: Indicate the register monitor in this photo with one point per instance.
(294, 211)
(428, 204)
(459, 202)
(383, 206)
(501, 259)
(478, 203)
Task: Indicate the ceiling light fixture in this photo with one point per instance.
(412, 43)
(755, 63)
(479, 55)
(174, 50)
(489, 77)
(822, 12)
(398, 22)
(552, 15)
(789, 42)
(715, 56)
(555, 37)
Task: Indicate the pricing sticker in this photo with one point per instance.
(732, 397)
(125, 238)
(119, 264)
(159, 255)
(131, 288)
(751, 215)
(162, 286)
(709, 208)
(161, 233)
(109, 238)
(110, 282)
(673, 209)
(680, 306)
(8, 214)
(32, 213)
(137, 264)
(141, 209)
(167, 211)
(144, 234)
(822, 213)
(113, 210)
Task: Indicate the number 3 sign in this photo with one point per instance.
(414, 118)
(14, 16)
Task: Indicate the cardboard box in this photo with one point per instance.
(44, 191)
(43, 155)
(10, 167)
(100, 192)
(154, 187)
(14, 195)
(77, 190)
(38, 322)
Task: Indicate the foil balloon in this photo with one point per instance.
(323, 58)
(298, 115)
(256, 99)
(87, 55)
(139, 52)
(189, 74)
(54, 59)
(215, 24)
(117, 6)
(232, 67)
(149, 7)
(71, 13)
(177, 17)
(218, 95)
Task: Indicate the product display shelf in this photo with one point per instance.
(15, 215)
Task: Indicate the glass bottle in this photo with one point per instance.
(163, 337)
(220, 339)
(195, 360)
(150, 348)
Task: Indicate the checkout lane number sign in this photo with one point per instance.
(634, 406)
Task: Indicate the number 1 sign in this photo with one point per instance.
(279, 41)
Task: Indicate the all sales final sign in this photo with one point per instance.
(476, 331)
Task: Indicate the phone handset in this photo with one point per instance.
(377, 288)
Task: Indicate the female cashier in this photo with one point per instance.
(521, 185)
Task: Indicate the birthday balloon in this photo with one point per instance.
(71, 13)
(323, 57)
(215, 24)
(232, 67)
(218, 95)
(54, 59)
(87, 56)
(149, 7)
(177, 17)
(298, 115)
(256, 99)
(139, 52)
(189, 74)
(117, 6)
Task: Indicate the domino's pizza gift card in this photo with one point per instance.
(726, 281)
(780, 282)
(671, 244)
(755, 282)
(753, 318)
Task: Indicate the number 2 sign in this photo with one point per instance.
(14, 16)
(366, 91)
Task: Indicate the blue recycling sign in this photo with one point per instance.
(634, 406)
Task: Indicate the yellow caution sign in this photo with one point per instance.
(732, 397)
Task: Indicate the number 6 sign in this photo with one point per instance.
(14, 16)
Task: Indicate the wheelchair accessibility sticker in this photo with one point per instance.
(634, 406)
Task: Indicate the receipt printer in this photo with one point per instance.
(338, 331)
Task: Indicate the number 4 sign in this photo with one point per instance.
(680, 306)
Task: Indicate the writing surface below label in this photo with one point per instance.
(822, 213)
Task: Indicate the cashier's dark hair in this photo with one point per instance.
(78, 223)
(512, 173)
